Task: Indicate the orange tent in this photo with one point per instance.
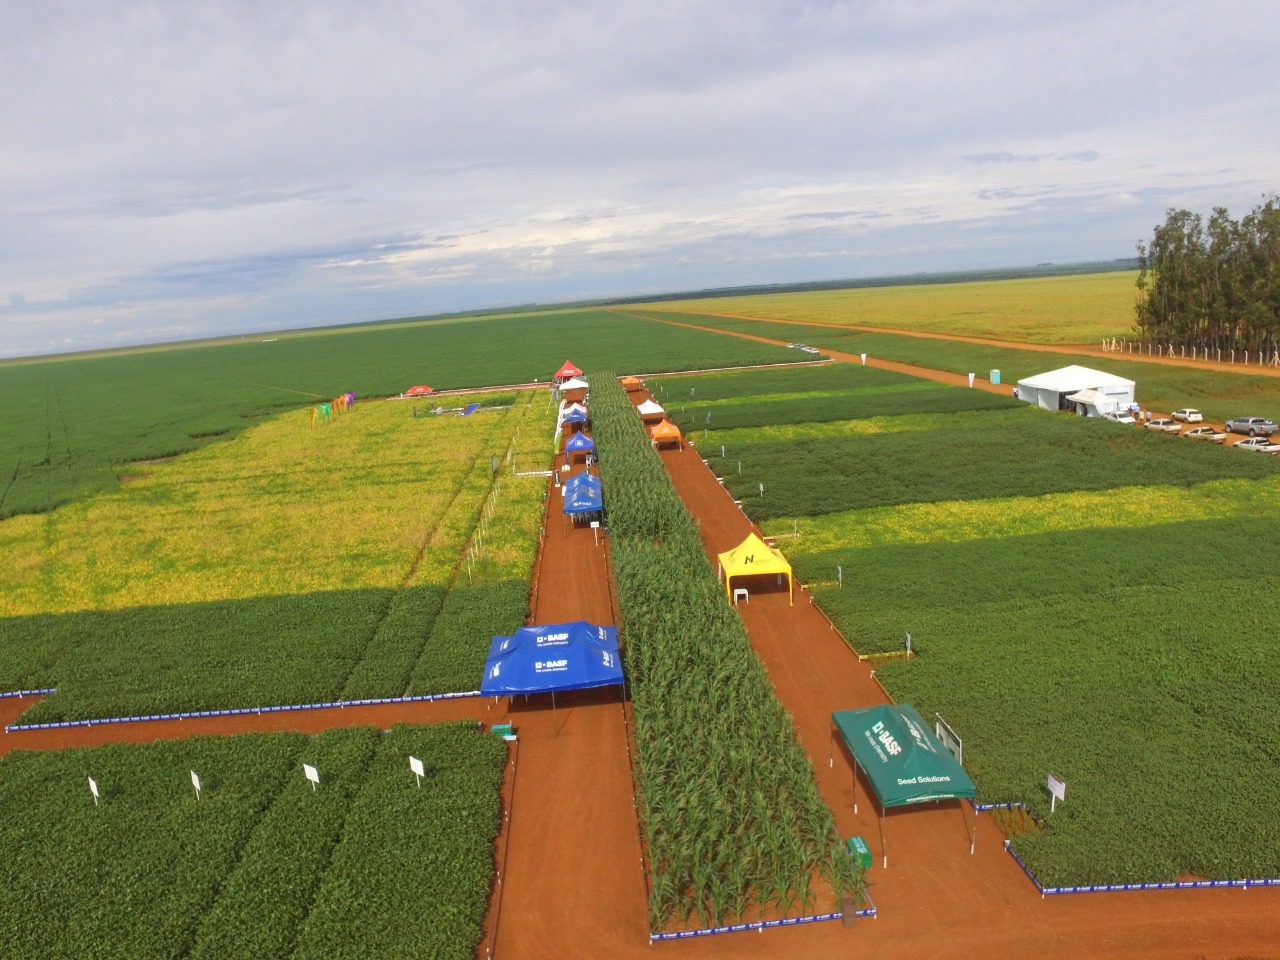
(567, 370)
(418, 391)
(665, 432)
(631, 384)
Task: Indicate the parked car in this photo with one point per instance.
(1212, 434)
(1188, 415)
(1165, 426)
(1119, 416)
(1261, 444)
(1253, 426)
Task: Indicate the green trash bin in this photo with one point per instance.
(995, 376)
(503, 730)
(860, 852)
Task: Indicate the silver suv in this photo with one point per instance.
(1253, 426)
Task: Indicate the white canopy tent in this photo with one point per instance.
(1081, 389)
(650, 408)
(577, 383)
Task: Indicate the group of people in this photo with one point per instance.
(338, 405)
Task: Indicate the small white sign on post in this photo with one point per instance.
(595, 531)
(93, 788)
(971, 380)
(312, 774)
(195, 782)
(864, 359)
(1057, 790)
(418, 770)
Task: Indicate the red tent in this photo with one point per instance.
(418, 391)
(566, 371)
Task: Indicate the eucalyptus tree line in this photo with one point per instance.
(1213, 283)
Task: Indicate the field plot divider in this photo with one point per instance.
(240, 711)
(869, 911)
(19, 694)
(1044, 891)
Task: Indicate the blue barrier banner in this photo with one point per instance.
(236, 711)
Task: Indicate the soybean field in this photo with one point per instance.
(262, 864)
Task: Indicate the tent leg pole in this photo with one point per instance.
(883, 849)
(831, 750)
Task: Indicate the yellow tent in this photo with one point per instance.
(754, 556)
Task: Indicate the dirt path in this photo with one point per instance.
(574, 882)
(1087, 349)
(935, 899)
(924, 373)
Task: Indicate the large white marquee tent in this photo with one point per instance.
(1079, 389)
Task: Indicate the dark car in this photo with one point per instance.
(1253, 426)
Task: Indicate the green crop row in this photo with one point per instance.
(71, 423)
(731, 816)
(973, 455)
(261, 866)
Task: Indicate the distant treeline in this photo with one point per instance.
(898, 280)
(1213, 283)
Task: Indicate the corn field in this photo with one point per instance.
(732, 818)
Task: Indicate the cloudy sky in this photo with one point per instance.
(179, 170)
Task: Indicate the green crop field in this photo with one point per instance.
(1220, 394)
(72, 425)
(1084, 598)
(1082, 308)
(262, 866)
(365, 557)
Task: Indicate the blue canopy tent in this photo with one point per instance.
(583, 496)
(575, 417)
(579, 443)
(553, 657)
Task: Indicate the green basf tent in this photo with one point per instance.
(905, 762)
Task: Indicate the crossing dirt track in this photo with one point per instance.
(573, 882)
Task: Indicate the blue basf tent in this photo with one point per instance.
(579, 443)
(552, 657)
(575, 416)
(583, 494)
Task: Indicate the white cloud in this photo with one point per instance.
(172, 169)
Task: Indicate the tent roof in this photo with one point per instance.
(577, 383)
(630, 382)
(579, 442)
(752, 556)
(583, 494)
(666, 430)
(567, 369)
(649, 408)
(1094, 397)
(1074, 378)
(901, 756)
(560, 656)
(574, 416)
(418, 391)
(567, 406)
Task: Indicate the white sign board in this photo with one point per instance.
(418, 770)
(93, 788)
(312, 774)
(195, 782)
(1057, 788)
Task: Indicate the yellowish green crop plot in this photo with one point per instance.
(1073, 309)
(956, 521)
(267, 568)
